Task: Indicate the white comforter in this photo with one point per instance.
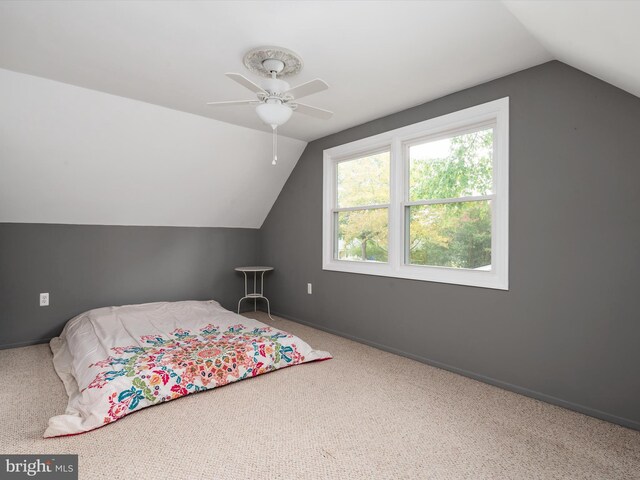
(117, 360)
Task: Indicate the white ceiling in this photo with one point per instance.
(77, 156)
(378, 57)
(601, 38)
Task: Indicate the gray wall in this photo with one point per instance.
(568, 330)
(89, 266)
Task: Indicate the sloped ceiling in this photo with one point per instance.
(601, 38)
(73, 155)
(110, 153)
(378, 57)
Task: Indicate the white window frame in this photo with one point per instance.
(495, 113)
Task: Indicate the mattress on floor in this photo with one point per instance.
(117, 360)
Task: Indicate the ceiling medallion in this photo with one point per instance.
(254, 61)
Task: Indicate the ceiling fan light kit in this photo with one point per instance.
(274, 114)
(276, 100)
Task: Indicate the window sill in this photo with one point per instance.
(473, 278)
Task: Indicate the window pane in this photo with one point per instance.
(459, 166)
(456, 235)
(362, 235)
(364, 181)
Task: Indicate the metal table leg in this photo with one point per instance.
(255, 294)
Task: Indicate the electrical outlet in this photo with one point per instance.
(44, 299)
(309, 289)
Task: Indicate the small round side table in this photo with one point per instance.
(255, 295)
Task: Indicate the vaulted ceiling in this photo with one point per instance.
(601, 38)
(378, 58)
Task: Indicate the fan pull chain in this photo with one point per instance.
(275, 144)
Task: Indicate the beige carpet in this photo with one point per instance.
(365, 414)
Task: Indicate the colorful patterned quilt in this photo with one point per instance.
(117, 360)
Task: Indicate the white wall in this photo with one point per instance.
(73, 155)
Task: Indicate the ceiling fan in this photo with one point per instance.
(275, 100)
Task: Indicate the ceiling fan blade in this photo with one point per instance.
(313, 111)
(245, 82)
(234, 102)
(309, 88)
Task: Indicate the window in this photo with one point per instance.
(362, 210)
(427, 202)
